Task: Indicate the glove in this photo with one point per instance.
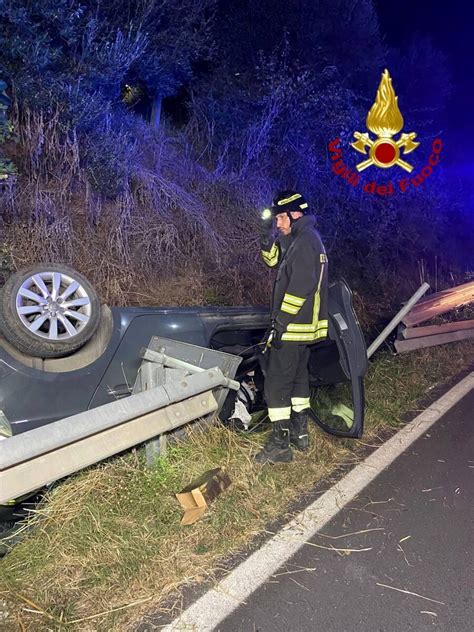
(266, 228)
(275, 338)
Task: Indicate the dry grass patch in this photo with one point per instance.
(108, 545)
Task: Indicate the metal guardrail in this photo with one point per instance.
(199, 358)
(26, 477)
(40, 456)
(167, 360)
(175, 363)
(39, 441)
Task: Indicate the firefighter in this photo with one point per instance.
(299, 319)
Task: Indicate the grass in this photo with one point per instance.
(108, 546)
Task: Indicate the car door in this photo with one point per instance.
(337, 368)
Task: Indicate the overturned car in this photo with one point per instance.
(62, 352)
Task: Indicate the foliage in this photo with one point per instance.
(272, 109)
(170, 215)
(72, 59)
(328, 34)
(7, 168)
(62, 52)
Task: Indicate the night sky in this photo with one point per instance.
(451, 26)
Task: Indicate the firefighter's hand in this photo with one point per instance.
(275, 337)
(266, 227)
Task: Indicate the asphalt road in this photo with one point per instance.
(417, 520)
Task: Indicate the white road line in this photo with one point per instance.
(219, 602)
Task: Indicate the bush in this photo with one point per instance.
(170, 215)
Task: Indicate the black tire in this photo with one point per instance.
(16, 331)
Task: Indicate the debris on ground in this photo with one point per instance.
(440, 303)
(196, 496)
(412, 337)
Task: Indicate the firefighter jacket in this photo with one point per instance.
(300, 293)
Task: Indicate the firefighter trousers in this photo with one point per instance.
(286, 379)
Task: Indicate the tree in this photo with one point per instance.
(319, 34)
(62, 52)
(284, 84)
(7, 168)
(75, 58)
(293, 76)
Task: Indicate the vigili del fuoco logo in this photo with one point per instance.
(384, 151)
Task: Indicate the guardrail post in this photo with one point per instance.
(149, 376)
(397, 319)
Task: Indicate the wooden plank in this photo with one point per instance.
(460, 294)
(46, 468)
(457, 288)
(424, 312)
(423, 342)
(454, 299)
(432, 330)
(441, 297)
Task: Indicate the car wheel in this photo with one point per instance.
(48, 310)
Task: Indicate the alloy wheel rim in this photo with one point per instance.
(53, 306)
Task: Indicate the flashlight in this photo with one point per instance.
(266, 214)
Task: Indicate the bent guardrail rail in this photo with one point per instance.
(36, 458)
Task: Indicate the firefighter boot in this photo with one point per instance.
(299, 436)
(277, 449)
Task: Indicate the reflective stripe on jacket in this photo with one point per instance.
(273, 252)
(299, 306)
